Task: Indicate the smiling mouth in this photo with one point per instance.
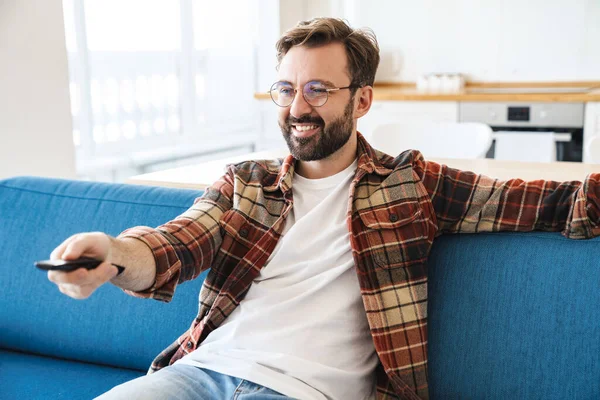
(304, 131)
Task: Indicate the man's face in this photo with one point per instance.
(313, 133)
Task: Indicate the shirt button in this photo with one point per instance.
(244, 232)
(393, 217)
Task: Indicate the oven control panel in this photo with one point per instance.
(531, 115)
(518, 113)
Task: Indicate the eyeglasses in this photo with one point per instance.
(315, 93)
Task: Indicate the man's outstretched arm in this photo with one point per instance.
(155, 259)
(468, 202)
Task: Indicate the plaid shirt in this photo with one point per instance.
(396, 208)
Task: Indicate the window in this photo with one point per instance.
(153, 81)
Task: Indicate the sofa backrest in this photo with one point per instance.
(110, 327)
(514, 316)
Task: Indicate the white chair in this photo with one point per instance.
(592, 149)
(467, 140)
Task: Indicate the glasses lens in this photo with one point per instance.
(315, 93)
(282, 93)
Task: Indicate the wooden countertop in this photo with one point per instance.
(202, 175)
(489, 91)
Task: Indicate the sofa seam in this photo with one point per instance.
(88, 198)
(37, 354)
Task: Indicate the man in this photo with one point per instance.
(318, 283)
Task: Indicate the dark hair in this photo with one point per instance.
(361, 45)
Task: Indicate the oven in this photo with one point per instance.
(538, 132)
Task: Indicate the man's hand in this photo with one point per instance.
(81, 283)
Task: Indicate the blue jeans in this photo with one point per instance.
(186, 382)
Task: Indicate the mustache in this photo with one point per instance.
(305, 119)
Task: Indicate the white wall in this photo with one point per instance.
(35, 116)
(494, 40)
(491, 40)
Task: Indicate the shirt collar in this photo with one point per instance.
(369, 160)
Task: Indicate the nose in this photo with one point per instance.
(299, 106)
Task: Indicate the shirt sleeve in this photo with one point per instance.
(185, 246)
(465, 202)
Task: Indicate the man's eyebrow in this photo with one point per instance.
(324, 81)
(328, 83)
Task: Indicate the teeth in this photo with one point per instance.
(305, 128)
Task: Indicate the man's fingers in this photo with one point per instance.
(76, 291)
(82, 277)
(79, 276)
(58, 252)
(112, 271)
(74, 248)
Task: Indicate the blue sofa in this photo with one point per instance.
(511, 315)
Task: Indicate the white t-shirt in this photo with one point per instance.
(301, 329)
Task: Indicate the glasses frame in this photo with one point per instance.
(327, 90)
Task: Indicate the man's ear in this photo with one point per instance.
(364, 100)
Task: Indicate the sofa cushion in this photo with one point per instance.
(37, 214)
(514, 316)
(27, 376)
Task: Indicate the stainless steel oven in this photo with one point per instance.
(530, 131)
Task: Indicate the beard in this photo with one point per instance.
(321, 145)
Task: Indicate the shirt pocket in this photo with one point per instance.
(240, 233)
(396, 234)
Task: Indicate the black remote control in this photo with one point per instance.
(71, 265)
